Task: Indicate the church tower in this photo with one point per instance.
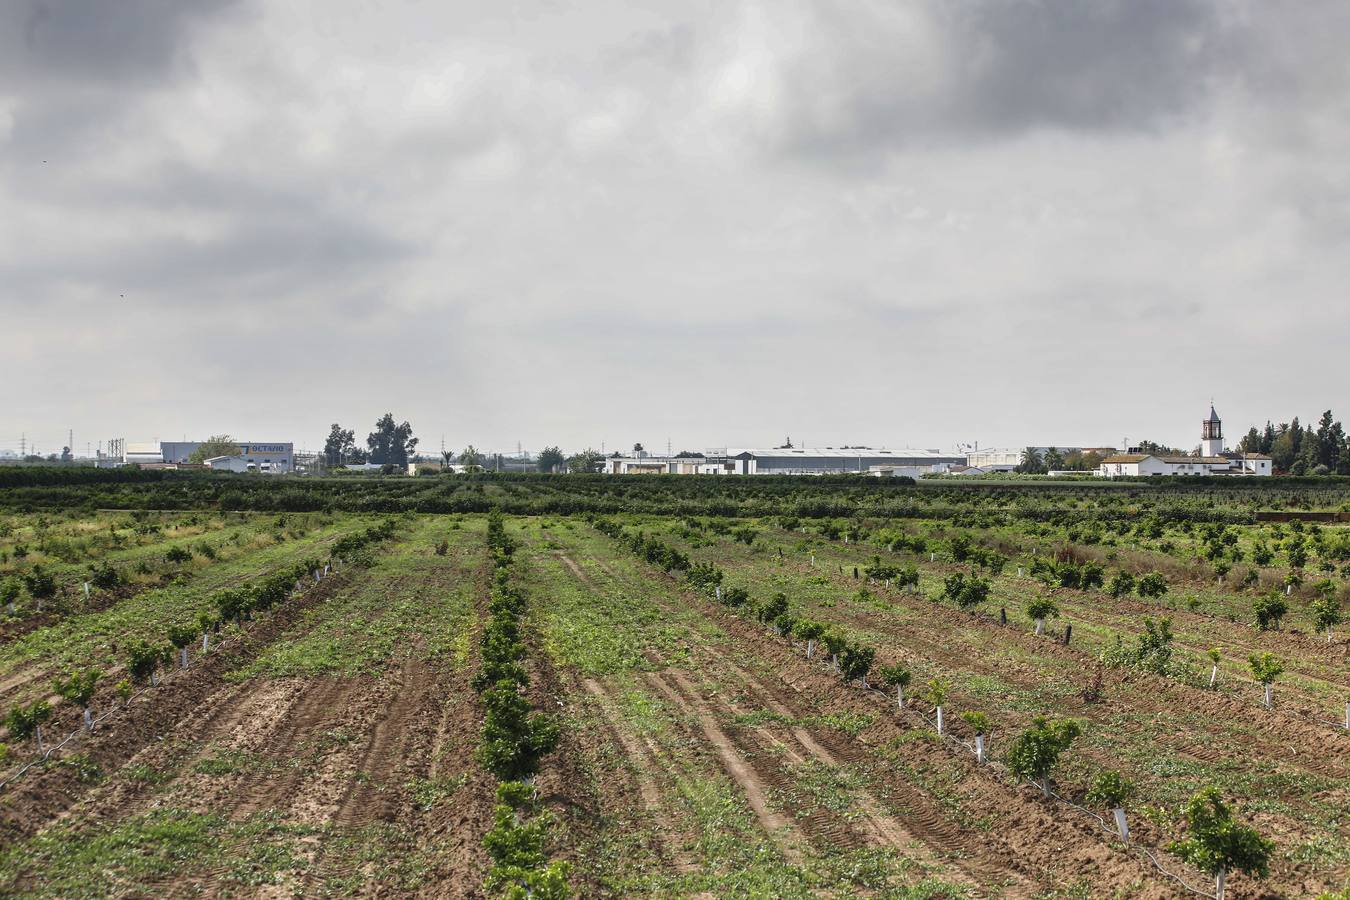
(1211, 434)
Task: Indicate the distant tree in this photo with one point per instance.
(471, 459)
(551, 459)
(1032, 463)
(637, 448)
(587, 460)
(1155, 448)
(340, 447)
(1215, 843)
(66, 455)
(1251, 442)
(690, 454)
(215, 445)
(390, 444)
(1053, 460)
(1330, 442)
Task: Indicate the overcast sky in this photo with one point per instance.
(720, 223)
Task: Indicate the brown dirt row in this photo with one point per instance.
(644, 757)
(44, 793)
(340, 753)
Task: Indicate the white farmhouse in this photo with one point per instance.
(1211, 461)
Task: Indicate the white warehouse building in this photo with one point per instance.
(789, 461)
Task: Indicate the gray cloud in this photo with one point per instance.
(126, 43)
(908, 222)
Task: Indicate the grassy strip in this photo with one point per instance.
(411, 601)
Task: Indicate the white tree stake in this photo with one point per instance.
(811, 652)
(88, 719)
(1268, 690)
(1121, 825)
(182, 658)
(1040, 627)
(86, 590)
(979, 749)
(206, 641)
(939, 720)
(900, 698)
(39, 741)
(1213, 675)
(1219, 880)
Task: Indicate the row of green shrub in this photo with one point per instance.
(514, 739)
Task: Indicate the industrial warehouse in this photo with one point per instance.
(275, 458)
(790, 461)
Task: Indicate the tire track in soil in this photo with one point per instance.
(312, 711)
(644, 756)
(1086, 846)
(931, 831)
(884, 829)
(945, 844)
(386, 753)
(783, 832)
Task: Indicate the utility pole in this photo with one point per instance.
(23, 445)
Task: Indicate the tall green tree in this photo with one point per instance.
(390, 444)
(340, 447)
(1053, 459)
(1032, 463)
(551, 459)
(588, 460)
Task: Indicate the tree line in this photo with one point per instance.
(1300, 449)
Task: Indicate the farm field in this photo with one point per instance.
(692, 703)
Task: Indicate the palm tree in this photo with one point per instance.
(1032, 463)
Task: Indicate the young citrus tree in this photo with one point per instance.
(1111, 790)
(180, 636)
(1216, 844)
(78, 688)
(937, 695)
(855, 662)
(1122, 584)
(1034, 753)
(1266, 667)
(810, 631)
(1215, 655)
(26, 721)
(1040, 609)
(1151, 586)
(1326, 613)
(898, 677)
(1269, 610)
(979, 723)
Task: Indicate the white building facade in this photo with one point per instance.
(1213, 460)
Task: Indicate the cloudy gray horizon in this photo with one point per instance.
(715, 223)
